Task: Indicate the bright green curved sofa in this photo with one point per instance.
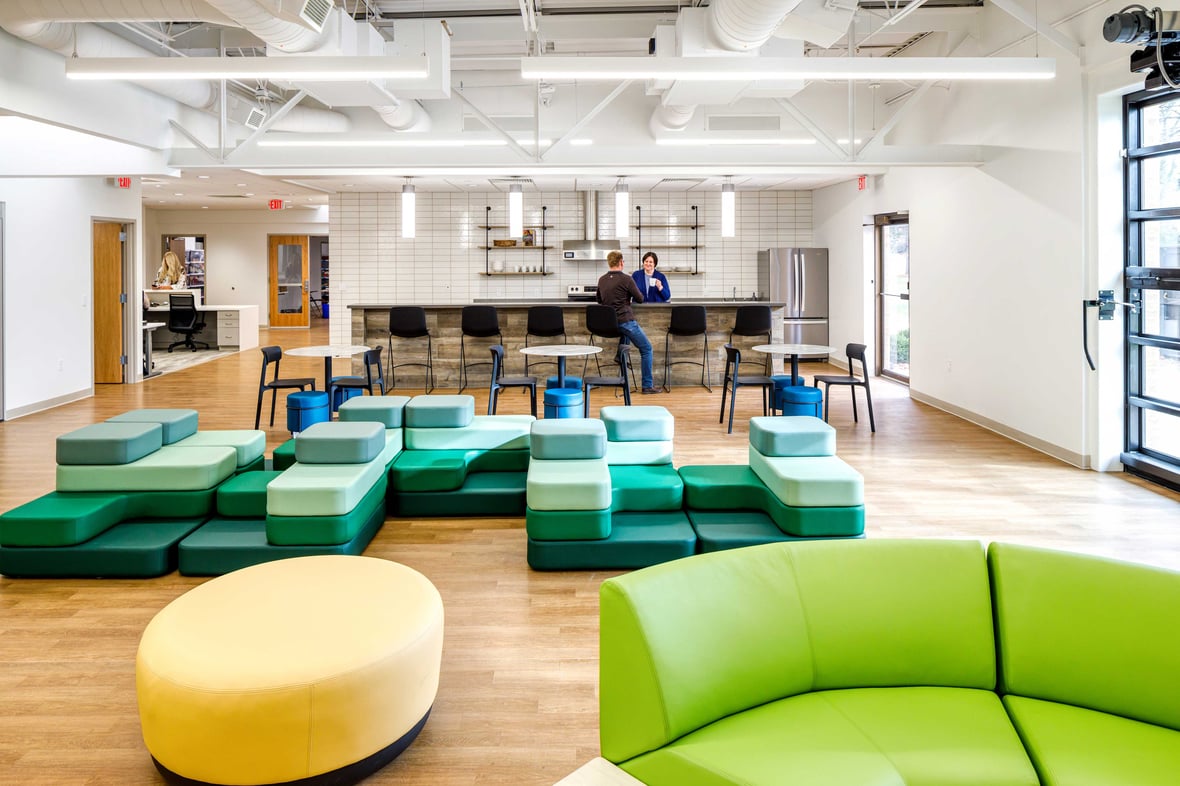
(892, 663)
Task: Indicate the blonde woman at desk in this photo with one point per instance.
(171, 273)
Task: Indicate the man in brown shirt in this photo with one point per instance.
(617, 290)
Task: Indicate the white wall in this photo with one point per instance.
(48, 317)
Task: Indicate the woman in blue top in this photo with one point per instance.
(653, 284)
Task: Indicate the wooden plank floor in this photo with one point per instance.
(517, 703)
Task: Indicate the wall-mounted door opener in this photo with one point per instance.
(1105, 303)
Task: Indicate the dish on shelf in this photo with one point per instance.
(504, 243)
(682, 268)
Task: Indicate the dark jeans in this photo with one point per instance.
(631, 330)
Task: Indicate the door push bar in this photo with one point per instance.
(1105, 304)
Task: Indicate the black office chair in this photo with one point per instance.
(734, 379)
(854, 352)
(499, 382)
(544, 322)
(752, 321)
(410, 322)
(601, 322)
(373, 376)
(687, 321)
(275, 355)
(476, 322)
(185, 320)
(623, 358)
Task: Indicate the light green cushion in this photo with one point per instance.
(623, 453)
(1089, 631)
(168, 469)
(439, 411)
(674, 655)
(109, 443)
(386, 410)
(561, 439)
(248, 443)
(340, 443)
(321, 489)
(484, 432)
(637, 424)
(812, 482)
(792, 435)
(176, 423)
(568, 485)
(1073, 746)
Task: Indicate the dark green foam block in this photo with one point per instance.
(244, 495)
(498, 460)
(718, 530)
(283, 456)
(133, 549)
(646, 487)
(579, 525)
(429, 470)
(326, 530)
(816, 522)
(254, 466)
(171, 504)
(636, 541)
(482, 494)
(62, 519)
(224, 545)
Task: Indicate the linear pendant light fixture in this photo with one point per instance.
(409, 208)
(326, 68)
(748, 69)
(622, 210)
(728, 211)
(515, 210)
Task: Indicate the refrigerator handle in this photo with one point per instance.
(802, 285)
(796, 264)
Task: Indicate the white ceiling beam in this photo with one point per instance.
(493, 125)
(271, 119)
(578, 126)
(803, 120)
(877, 140)
(1015, 10)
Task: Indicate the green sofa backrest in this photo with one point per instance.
(1088, 631)
(691, 641)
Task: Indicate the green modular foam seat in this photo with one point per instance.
(169, 468)
(109, 443)
(334, 442)
(132, 549)
(636, 540)
(254, 466)
(563, 439)
(638, 423)
(175, 423)
(429, 470)
(321, 489)
(622, 453)
(449, 411)
(482, 494)
(57, 519)
(815, 481)
(579, 525)
(249, 444)
(244, 496)
(718, 530)
(569, 485)
(792, 435)
(484, 432)
(645, 487)
(313, 530)
(283, 456)
(386, 410)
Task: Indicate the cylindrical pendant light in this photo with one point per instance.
(728, 211)
(622, 209)
(515, 210)
(409, 208)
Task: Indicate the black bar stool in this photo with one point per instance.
(752, 321)
(544, 322)
(410, 322)
(687, 321)
(476, 322)
(602, 323)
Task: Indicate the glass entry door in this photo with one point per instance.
(288, 281)
(893, 295)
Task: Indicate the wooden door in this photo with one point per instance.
(288, 281)
(108, 311)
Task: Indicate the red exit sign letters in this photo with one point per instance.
(275, 204)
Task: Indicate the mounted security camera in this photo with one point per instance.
(1159, 32)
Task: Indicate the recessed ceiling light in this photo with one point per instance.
(249, 193)
(203, 177)
(178, 194)
(241, 185)
(204, 207)
(581, 142)
(162, 202)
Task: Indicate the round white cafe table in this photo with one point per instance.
(327, 352)
(561, 352)
(794, 350)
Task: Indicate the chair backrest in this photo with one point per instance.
(601, 322)
(182, 311)
(270, 355)
(479, 321)
(732, 358)
(408, 322)
(751, 320)
(373, 361)
(857, 352)
(546, 321)
(687, 321)
(497, 351)
(623, 358)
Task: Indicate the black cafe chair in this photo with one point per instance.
(623, 359)
(854, 352)
(734, 379)
(500, 382)
(275, 355)
(373, 376)
(602, 323)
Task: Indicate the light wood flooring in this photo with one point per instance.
(517, 701)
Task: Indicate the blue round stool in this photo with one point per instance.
(800, 400)
(305, 408)
(563, 403)
(574, 383)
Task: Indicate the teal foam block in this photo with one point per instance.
(636, 541)
(720, 530)
(131, 550)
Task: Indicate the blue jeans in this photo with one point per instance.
(632, 331)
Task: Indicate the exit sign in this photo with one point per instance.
(275, 204)
(862, 183)
(123, 182)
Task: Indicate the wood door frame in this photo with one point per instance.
(880, 222)
(274, 317)
(2, 352)
(132, 317)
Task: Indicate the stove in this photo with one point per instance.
(582, 292)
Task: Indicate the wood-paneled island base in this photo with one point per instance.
(370, 326)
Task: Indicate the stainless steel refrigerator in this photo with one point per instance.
(799, 278)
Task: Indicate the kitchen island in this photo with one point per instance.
(370, 326)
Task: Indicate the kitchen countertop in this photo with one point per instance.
(522, 302)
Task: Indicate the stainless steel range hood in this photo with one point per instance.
(591, 249)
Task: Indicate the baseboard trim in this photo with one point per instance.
(1056, 451)
(41, 406)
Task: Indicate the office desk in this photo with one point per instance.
(148, 329)
(226, 326)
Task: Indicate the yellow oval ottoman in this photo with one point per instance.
(309, 669)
